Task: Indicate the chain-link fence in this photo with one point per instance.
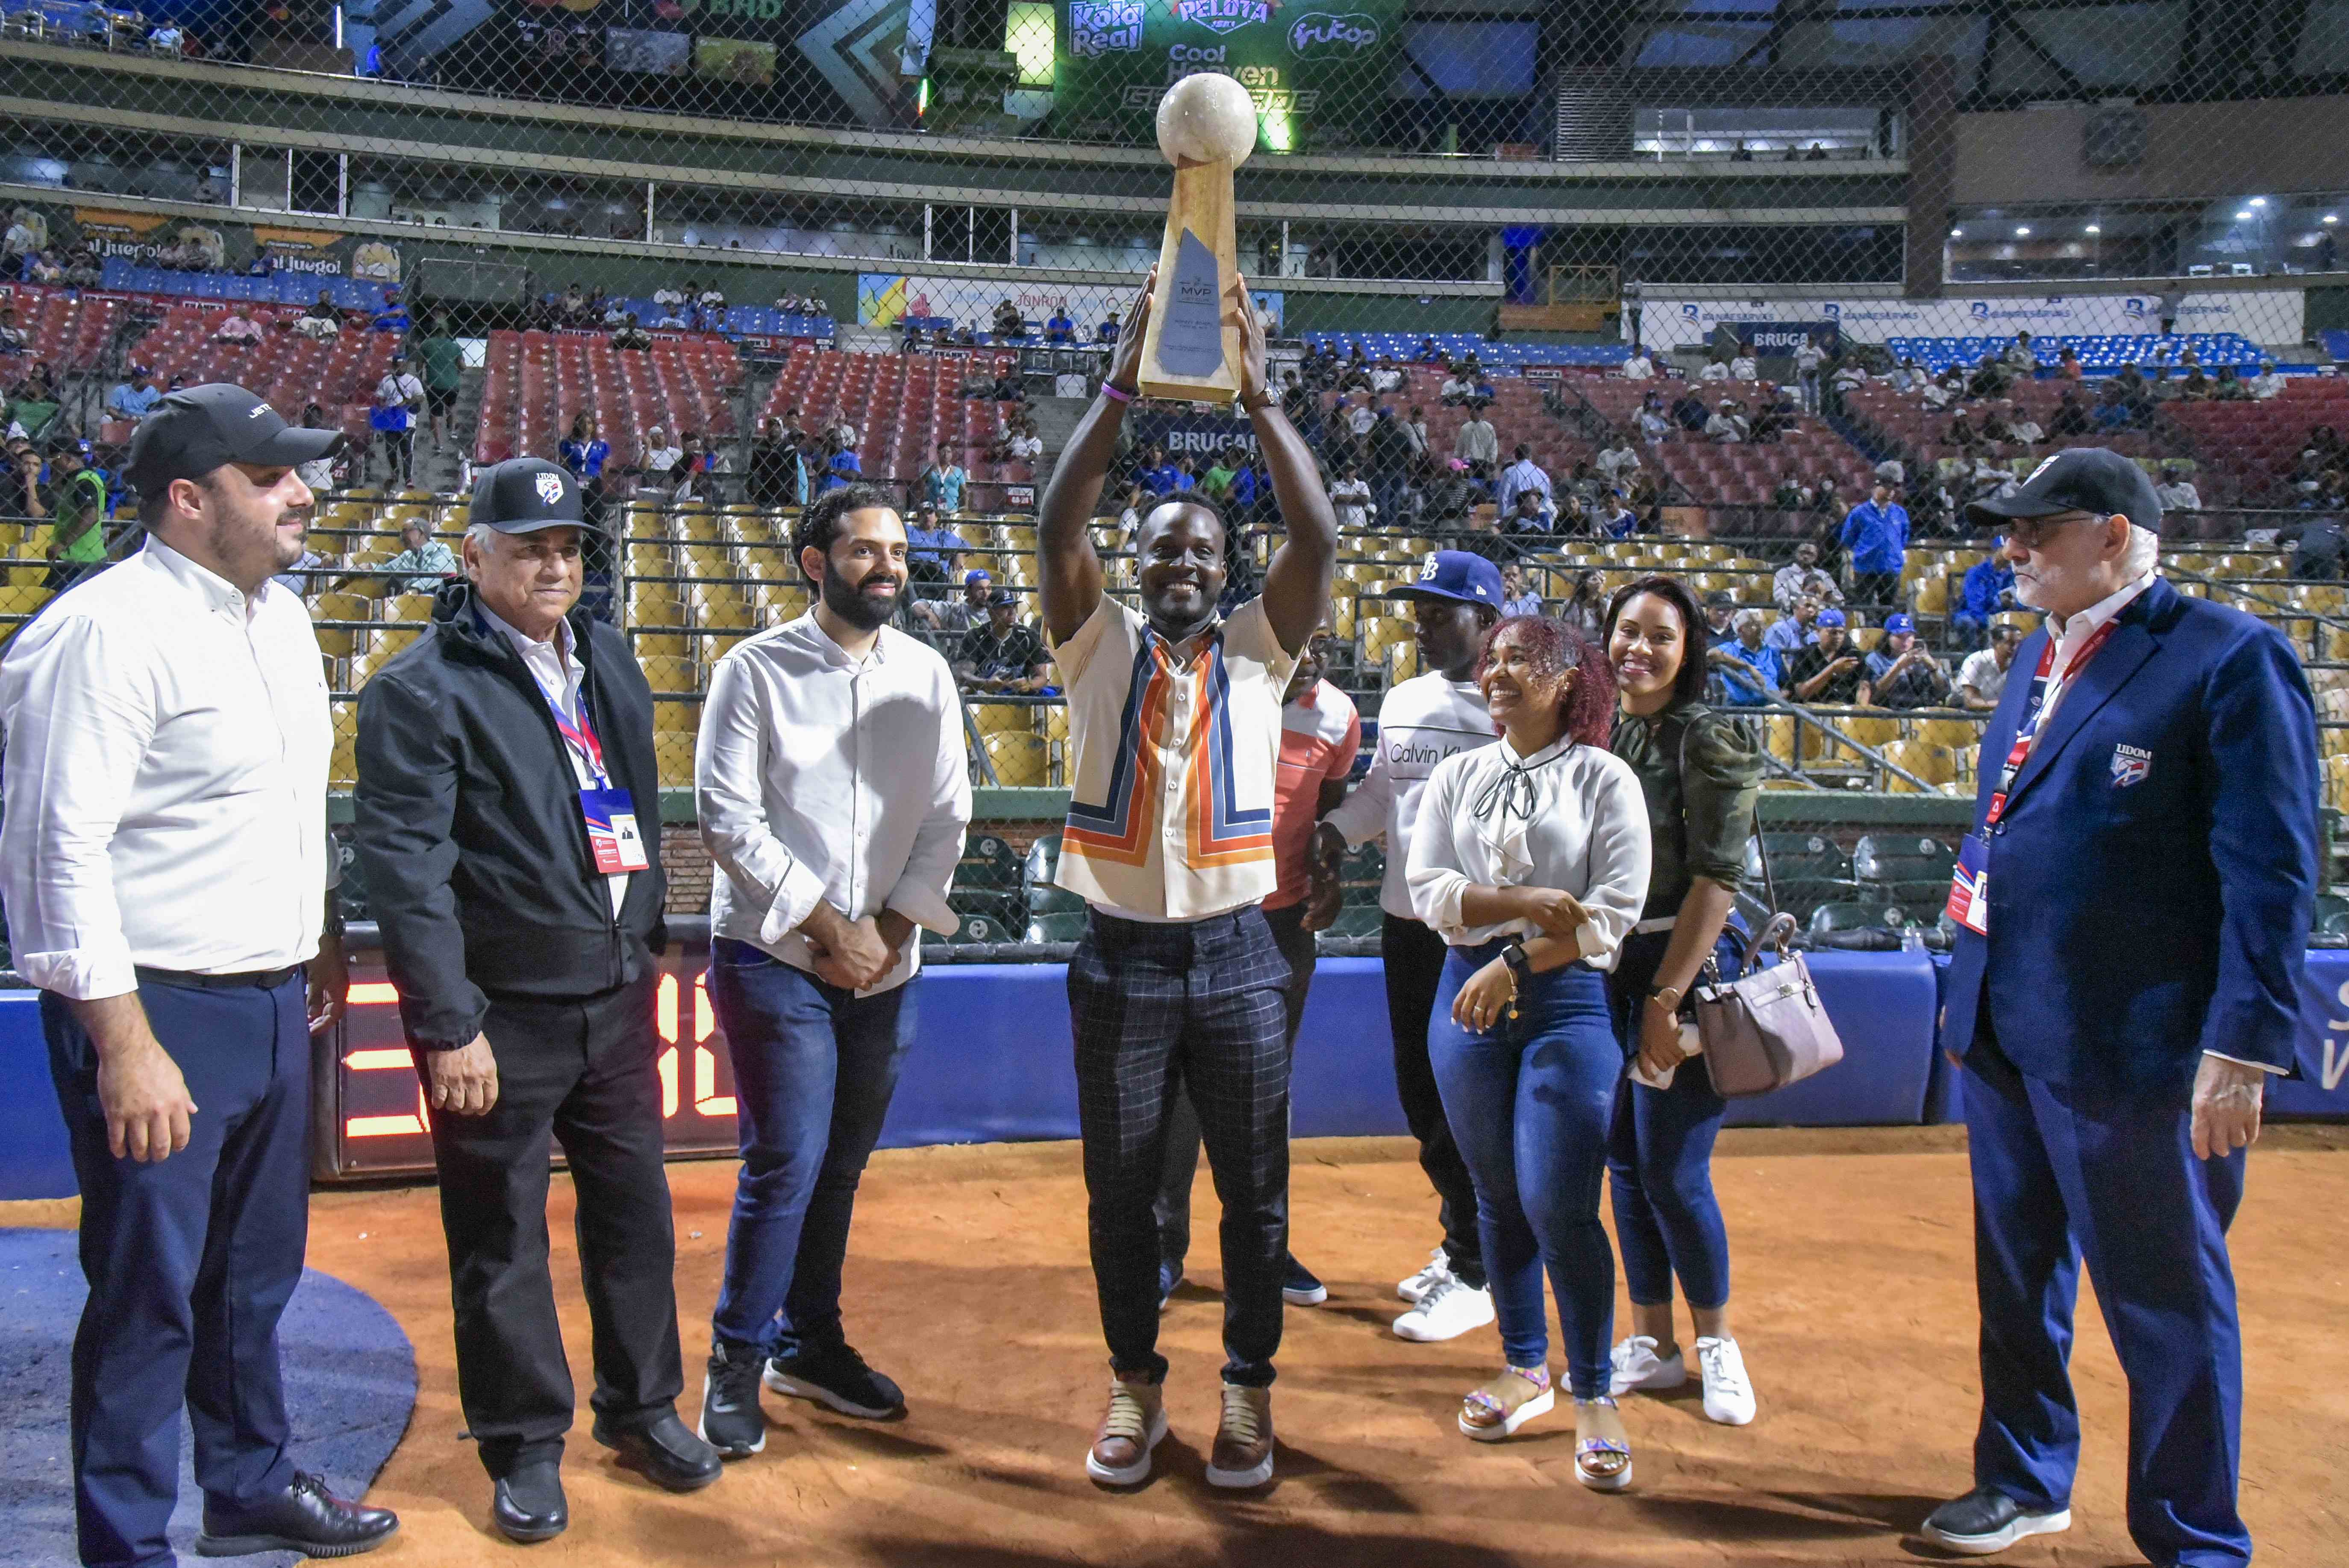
(1698, 278)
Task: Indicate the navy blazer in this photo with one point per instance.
(2152, 878)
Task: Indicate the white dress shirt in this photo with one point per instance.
(819, 777)
(168, 739)
(1569, 817)
(2069, 636)
(555, 665)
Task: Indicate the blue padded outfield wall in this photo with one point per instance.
(991, 1061)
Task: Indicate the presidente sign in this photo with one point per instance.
(2263, 316)
(1116, 58)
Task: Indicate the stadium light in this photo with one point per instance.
(2245, 216)
(2331, 218)
(2094, 229)
(1957, 234)
(2022, 231)
(2259, 201)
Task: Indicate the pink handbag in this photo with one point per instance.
(1768, 1028)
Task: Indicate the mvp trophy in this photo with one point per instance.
(1206, 129)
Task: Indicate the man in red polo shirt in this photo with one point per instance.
(1321, 736)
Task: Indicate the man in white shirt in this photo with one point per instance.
(1385, 377)
(2177, 492)
(1639, 367)
(1982, 679)
(399, 402)
(661, 456)
(1524, 475)
(1807, 360)
(506, 818)
(1617, 464)
(1803, 579)
(1727, 427)
(1477, 444)
(1350, 496)
(167, 871)
(1715, 369)
(1457, 388)
(2267, 383)
(832, 796)
(1455, 600)
(1173, 747)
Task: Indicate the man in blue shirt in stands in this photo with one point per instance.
(1876, 532)
(1058, 327)
(1747, 669)
(393, 316)
(134, 398)
(1989, 588)
(1160, 476)
(1790, 635)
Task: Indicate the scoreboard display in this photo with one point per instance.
(366, 1080)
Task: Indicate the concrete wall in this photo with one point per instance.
(2193, 152)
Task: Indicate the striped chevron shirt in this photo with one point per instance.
(1172, 764)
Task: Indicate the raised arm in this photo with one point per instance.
(1069, 574)
(1297, 583)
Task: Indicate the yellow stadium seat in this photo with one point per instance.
(668, 674)
(651, 560)
(1874, 733)
(654, 604)
(1020, 757)
(1932, 595)
(650, 645)
(1002, 718)
(1936, 765)
(1402, 660)
(1958, 734)
(674, 754)
(779, 603)
(709, 560)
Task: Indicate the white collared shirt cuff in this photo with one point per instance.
(925, 906)
(1590, 941)
(795, 900)
(2271, 1070)
(82, 973)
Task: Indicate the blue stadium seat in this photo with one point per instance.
(116, 273)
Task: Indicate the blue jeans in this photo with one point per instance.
(1659, 1151)
(814, 1066)
(1530, 1102)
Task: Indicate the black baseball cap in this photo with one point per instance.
(1002, 596)
(197, 429)
(2084, 478)
(522, 495)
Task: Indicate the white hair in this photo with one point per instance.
(1749, 616)
(2144, 552)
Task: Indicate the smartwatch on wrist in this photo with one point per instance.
(1521, 966)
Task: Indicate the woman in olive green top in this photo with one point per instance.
(1701, 774)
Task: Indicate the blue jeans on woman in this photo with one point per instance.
(814, 1066)
(1659, 1151)
(1528, 1101)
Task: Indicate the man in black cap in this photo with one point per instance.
(506, 815)
(166, 869)
(2162, 758)
(1002, 656)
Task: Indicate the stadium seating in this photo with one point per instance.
(339, 374)
(2098, 354)
(69, 330)
(536, 383)
(2251, 447)
(903, 406)
(275, 288)
(1501, 354)
(1736, 474)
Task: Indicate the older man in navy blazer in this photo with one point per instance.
(2132, 905)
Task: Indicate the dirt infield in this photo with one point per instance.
(968, 1282)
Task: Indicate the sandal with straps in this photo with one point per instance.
(1485, 1414)
(1603, 1464)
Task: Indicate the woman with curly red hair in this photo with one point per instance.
(1531, 858)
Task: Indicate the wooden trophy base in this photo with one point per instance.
(1192, 349)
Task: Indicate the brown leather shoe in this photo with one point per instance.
(1129, 1429)
(1243, 1452)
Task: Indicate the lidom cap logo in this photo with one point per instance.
(549, 487)
(2044, 464)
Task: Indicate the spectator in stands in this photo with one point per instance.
(12, 339)
(1060, 326)
(423, 565)
(1808, 359)
(1987, 590)
(1743, 367)
(1531, 517)
(392, 316)
(2166, 306)
(1007, 324)
(1452, 494)
(616, 313)
(1158, 476)
(709, 309)
(1748, 670)
(2267, 383)
(1477, 444)
(1654, 423)
(18, 246)
(1989, 380)
(1457, 388)
(674, 311)
(321, 320)
(1908, 375)
(1982, 679)
(1963, 434)
(959, 616)
(774, 477)
(941, 484)
(1002, 656)
(399, 402)
(1027, 446)
(2113, 411)
(1944, 389)
(1389, 452)
(1350, 494)
(1776, 415)
(1802, 577)
(1584, 610)
(2069, 420)
(1876, 534)
(1825, 670)
(2025, 430)
(133, 398)
(77, 507)
(2068, 364)
(1849, 376)
(1414, 431)
(83, 269)
(584, 453)
(1716, 368)
(1727, 426)
(1618, 463)
(1793, 634)
(2177, 492)
(571, 305)
(321, 475)
(237, 329)
(443, 361)
(1903, 673)
(1384, 376)
(24, 495)
(1428, 354)
(1689, 413)
(2020, 357)
(2315, 548)
(933, 550)
(1639, 367)
(1719, 606)
(1790, 493)
(1524, 475)
(1516, 599)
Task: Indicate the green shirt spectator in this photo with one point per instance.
(78, 529)
(1700, 775)
(443, 358)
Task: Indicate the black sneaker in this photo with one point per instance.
(1985, 1521)
(732, 1421)
(839, 1377)
(1298, 1287)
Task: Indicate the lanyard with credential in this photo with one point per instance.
(611, 814)
(580, 733)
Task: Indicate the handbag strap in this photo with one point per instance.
(1712, 970)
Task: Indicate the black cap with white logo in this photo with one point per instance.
(2084, 478)
(522, 495)
(199, 429)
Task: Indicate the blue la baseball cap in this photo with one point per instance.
(1454, 574)
(1834, 618)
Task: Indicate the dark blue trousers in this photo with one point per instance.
(2060, 1174)
(190, 1263)
(814, 1066)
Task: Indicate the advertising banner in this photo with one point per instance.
(128, 238)
(1303, 63)
(1198, 435)
(2262, 316)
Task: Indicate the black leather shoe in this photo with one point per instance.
(667, 1453)
(305, 1518)
(528, 1504)
(1985, 1521)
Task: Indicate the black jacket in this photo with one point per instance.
(468, 828)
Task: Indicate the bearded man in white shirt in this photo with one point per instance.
(832, 796)
(166, 867)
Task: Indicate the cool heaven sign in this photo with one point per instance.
(1116, 58)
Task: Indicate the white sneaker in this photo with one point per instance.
(1438, 1266)
(1447, 1311)
(1728, 1396)
(1637, 1366)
